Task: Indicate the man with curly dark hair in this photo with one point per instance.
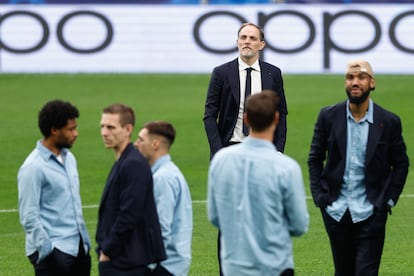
(57, 241)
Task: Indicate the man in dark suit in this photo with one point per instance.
(230, 84)
(358, 167)
(224, 106)
(128, 234)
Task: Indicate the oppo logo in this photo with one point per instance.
(328, 20)
(63, 41)
(327, 24)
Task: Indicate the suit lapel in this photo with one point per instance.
(341, 128)
(234, 80)
(114, 172)
(110, 179)
(374, 134)
(266, 76)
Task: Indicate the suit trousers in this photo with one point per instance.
(107, 269)
(160, 271)
(356, 247)
(59, 263)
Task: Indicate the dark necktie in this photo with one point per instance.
(247, 93)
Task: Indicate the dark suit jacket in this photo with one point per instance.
(386, 161)
(223, 100)
(128, 229)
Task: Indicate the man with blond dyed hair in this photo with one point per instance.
(357, 167)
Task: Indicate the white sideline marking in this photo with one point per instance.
(194, 202)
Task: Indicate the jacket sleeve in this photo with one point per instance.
(399, 160)
(316, 158)
(279, 139)
(211, 112)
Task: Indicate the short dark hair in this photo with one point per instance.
(162, 128)
(261, 109)
(254, 25)
(127, 115)
(55, 114)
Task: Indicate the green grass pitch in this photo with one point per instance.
(180, 100)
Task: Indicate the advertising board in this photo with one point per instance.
(194, 39)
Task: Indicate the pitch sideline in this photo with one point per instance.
(194, 202)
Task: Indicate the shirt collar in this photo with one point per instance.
(243, 65)
(160, 161)
(369, 116)
(46, 153)
(258, 142)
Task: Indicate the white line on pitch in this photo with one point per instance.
(194, 202)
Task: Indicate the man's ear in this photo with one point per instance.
(155, 143)
(277, 117)
(53, 131)
(372, 84)
(262, 45)
(129, 128)
(245, 119)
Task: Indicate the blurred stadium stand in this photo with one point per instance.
(207, 2)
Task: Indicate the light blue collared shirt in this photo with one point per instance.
(49, 203)
(256, 197)
(353, 195)
(174, 207)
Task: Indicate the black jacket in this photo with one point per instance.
(128, 229)
(223, 100)
(386, 161)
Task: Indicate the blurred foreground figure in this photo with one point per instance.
(256, 197)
